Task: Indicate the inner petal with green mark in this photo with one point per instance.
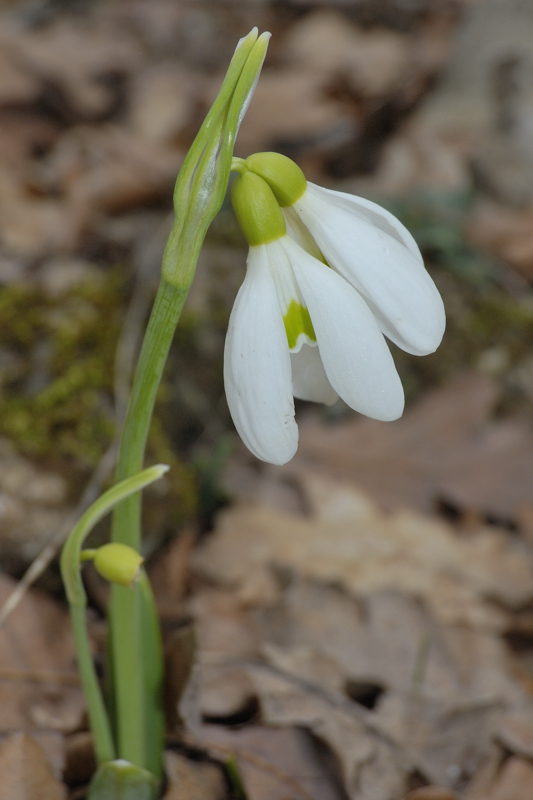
(298, 326)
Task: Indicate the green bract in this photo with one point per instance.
(257, 209)
(284, 177)
(203, 178)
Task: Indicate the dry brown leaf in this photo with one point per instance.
(91, 50)
(350, 542)
(373, 767)
(515, 781)
(448, 741)
(93, 170)
(17, 85)
(29, 225)
(274, 763)
(431, 793)
(108, 168)
(35, 645)
(289, 106)
(32, 506)
(225, 634)
(26, 772)
(161, 102)
(516, 735)
(436, 707)
(327, 43)
(192, 780)
(416, 158)
(388, 640)
(444, 448)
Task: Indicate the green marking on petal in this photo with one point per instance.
(298, 321)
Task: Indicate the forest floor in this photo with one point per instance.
(356, 625)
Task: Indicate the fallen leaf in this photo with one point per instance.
(516, 735)
(32, 507)
(444, 448)
(431, 793)
(37, 665)
(26, 772)
(515, 781)
(349, 541)
(225, 634)
(92, 51)
(373, 768)
(273, 763)
(289, 106)
(161, 102)
(192, 780)
(377, 61)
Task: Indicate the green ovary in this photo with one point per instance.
(298, 321)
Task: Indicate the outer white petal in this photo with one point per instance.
(257, 367)
(309, 380)
(356, 358)
(373, 213)
(392, 280)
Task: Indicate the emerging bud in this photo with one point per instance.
(118, 563)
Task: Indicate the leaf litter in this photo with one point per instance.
(353, 642)
(367, 618)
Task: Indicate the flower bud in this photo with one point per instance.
(118, 563)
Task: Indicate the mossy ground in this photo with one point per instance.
(56, 386)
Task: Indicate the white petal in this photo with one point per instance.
(392, 280)
(373, 213)
(354, 353)
(287, 293)
(257, 367)
(309, 380)
(297, 231)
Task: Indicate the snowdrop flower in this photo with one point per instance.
(328, 274)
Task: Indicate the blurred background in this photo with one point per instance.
(425, 106)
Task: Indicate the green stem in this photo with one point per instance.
(199, 192)
(153, 671)
(103, 740)
(71, 574)
(158, 338)
(126, 605)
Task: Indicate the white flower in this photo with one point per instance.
(303, 328)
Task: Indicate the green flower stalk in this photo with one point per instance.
(72, 557)
(135, 646)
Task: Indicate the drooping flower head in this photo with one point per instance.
(328, 275)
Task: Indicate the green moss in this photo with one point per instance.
(58, 400)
